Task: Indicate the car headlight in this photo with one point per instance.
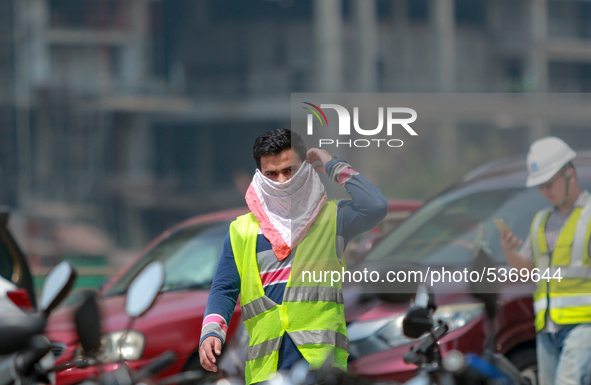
(368, 337)
(131, 348)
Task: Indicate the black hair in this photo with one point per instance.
(274, 142)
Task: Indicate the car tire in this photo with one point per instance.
(208, 377)
(526, 361)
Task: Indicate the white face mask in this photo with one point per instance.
(286, 211)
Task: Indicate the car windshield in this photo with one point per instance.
(445, 231)
(190, 257)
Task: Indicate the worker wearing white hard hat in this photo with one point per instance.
(558, 245)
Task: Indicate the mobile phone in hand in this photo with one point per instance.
(501, 225)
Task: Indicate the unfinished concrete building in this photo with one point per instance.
(145, 111)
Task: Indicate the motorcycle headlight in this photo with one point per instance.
(368, 337)
(112, 348)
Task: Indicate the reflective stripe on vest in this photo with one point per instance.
(301, 338)
(263, 349)
(569, 299)
(313, 293)
(256, 307)
(562, 302)
(310, 337)
(293, 294)
(540, 305)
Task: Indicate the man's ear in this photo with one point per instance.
(571, 176)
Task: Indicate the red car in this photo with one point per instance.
(444, 233)
(190, 253)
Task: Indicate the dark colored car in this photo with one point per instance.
(16, 283)
(444, 233)
(190, 253)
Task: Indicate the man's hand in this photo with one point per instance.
(206, 353)
(510, 243)
(318, 155)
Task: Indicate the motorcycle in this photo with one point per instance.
(25, 350)
(141, 295)
(457, 368)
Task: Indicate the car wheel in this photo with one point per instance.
(526, 361)
(208, 377)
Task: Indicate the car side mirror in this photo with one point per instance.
(56, 286)
(88, 324)
(144, 289)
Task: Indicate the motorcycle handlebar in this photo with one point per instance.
(429, 341)
(413, 357)
(39, 347)
(156, 365)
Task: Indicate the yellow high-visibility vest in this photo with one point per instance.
(312, 313)
(568, 300)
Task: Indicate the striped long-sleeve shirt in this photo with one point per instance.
(363, 212)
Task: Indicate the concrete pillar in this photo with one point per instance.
(140, 145)
(40, 56)
(404, 38)
(444, 22)
(400, 13)
(205, 157)
(328, 35)
(494, 17)
(368, 44)
(139, 162)
(22, 97)
(448, 142)
(134, 54)
(44, 150)
(538, 128)
(201, 12)
(537, 72)
(134, 227)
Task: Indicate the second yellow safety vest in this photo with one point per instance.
(568, 300)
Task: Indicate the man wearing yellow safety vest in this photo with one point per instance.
(559, 241)
(291, 229)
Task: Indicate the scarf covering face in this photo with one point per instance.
(285, 211)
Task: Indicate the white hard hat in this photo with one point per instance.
(545, 158)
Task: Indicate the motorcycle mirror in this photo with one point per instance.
(416, 322)
(88, 324)
(485, 291)
(144, 289)
(425, 298)
(56, 286)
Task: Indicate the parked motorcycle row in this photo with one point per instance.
(24, 349)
